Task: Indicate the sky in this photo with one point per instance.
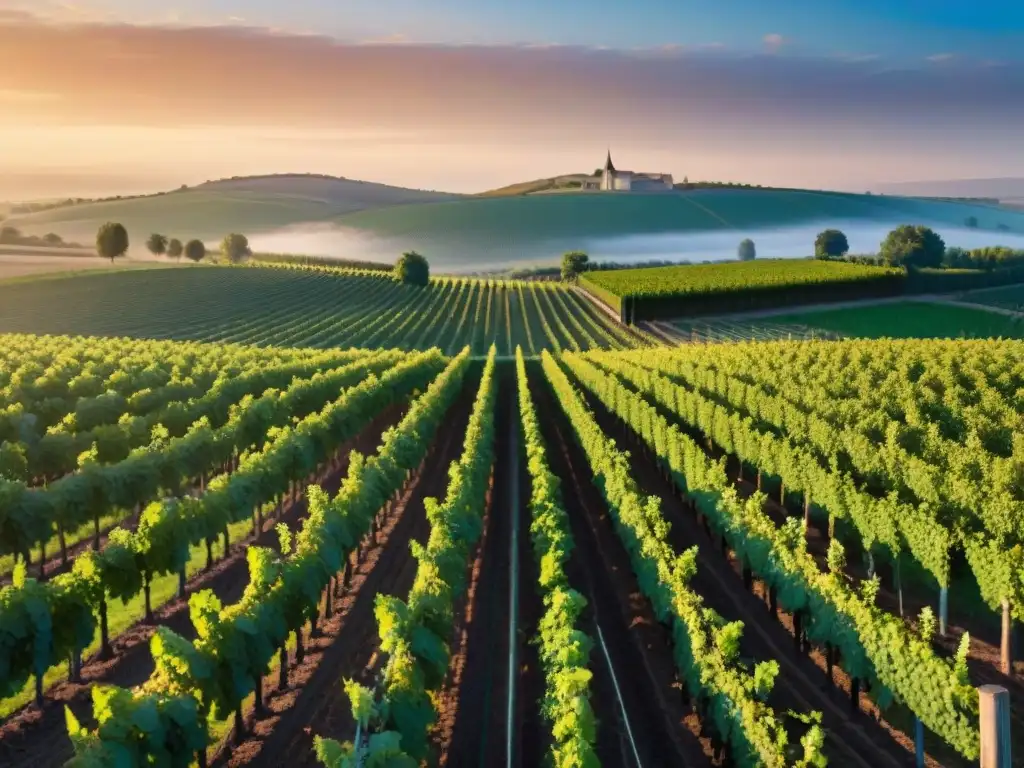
(101, 97)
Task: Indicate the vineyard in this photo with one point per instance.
(315, 307)
(677, 291)
(785, 553)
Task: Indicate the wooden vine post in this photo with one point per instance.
(994, 711)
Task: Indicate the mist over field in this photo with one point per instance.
(471, 255)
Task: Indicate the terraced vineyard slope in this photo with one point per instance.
(311, 307)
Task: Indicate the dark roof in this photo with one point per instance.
(608, 163)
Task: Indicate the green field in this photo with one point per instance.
(1010, 297)
(716, 330)
(737, 286)
(311, 308)
(909, 320)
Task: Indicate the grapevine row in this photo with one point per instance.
(29, 515)
(884, 520)
(964, 476)
(564, 648)
(872, 645)
(415, 633)
(48, 376)
(235, 644)
(44, 624)
(921, 528)
(706, 649)
(114, 426)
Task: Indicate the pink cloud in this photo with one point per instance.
(774, 41)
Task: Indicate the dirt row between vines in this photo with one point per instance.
(661, 731)
(853, 737)
(38, 739)
(348, 646)
(493, 657)
(466, 611)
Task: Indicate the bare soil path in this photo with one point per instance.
(496, 720)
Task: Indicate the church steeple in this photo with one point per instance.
(608, 163)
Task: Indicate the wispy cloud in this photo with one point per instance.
(396, 38)
(180, 71)
(774, 42)
(938, 58)
(701, 101)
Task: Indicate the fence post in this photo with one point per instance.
(994, 708)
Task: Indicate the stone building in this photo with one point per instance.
(614, 180)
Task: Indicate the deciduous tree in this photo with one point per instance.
(412, 268)
(746, 251)
(831, 244)
(195, 250)
(573, 264)
(914, 246)
(112, 241)
(157, 244)
(235, 247)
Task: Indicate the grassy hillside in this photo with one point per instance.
(569, 217)
(467, 233)
(211, 210)
(564, 182)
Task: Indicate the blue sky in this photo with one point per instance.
(898, 29)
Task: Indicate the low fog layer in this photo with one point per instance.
(775, 243)
(454, 255)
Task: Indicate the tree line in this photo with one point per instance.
(912, 246)
(112, 243)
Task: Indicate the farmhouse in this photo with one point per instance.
(612, 180)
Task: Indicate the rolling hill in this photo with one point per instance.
(697, 224)
(537, 186)
(585, 215)
(210, 210)
(466, 233)
(1002, 188)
